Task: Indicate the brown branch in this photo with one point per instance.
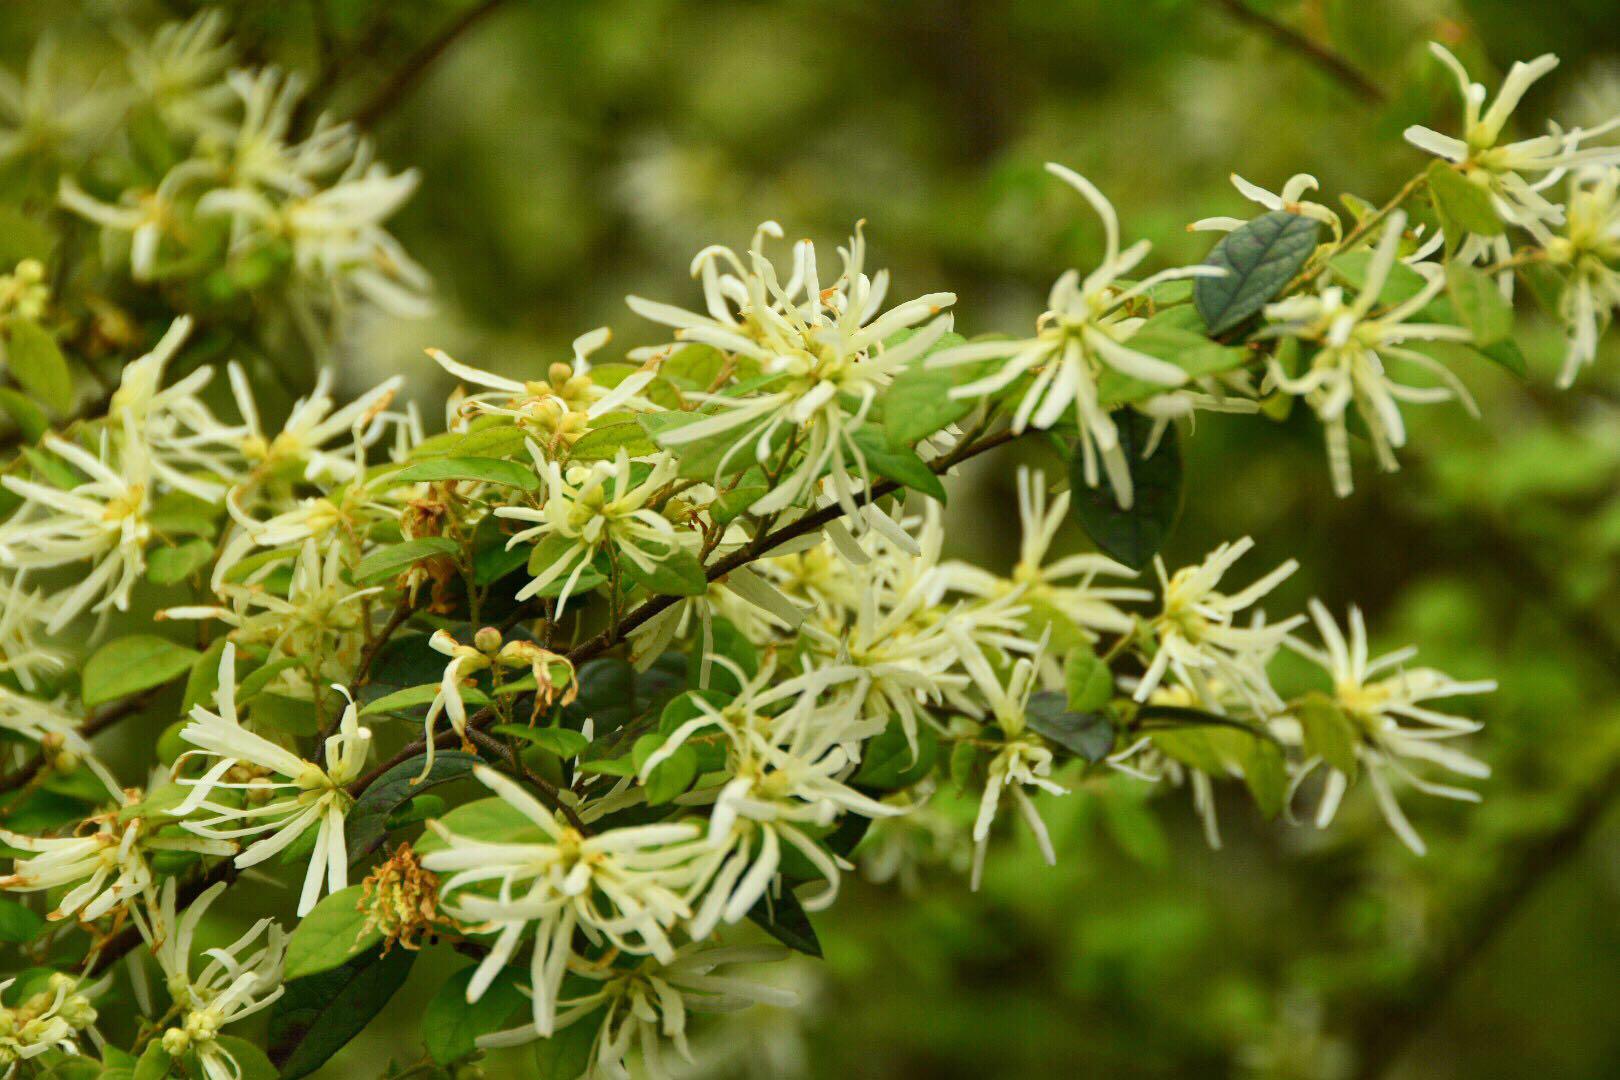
(405, 78)
(1314, 51)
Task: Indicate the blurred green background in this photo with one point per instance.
(575, 151)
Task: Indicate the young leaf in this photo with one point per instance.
(1089, 682)
(451, 1024)
(678, 574)
(170, 565)
(888, 762)
(132, 664)
(898, 463)
(35, 361)
(1132, 536)
(1463, 206)
(331, 935)
(30, 418)
(1328, 732)
(1480, 304)
(481, 469)
(604, 443)
(566, 1055)
(1259, 259)
(318, 1015)
(564, 742)
(387, 562)
(18, 924)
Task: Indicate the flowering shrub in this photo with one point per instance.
(644, 650)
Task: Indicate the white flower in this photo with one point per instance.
(561, 405)
(177, 431)
(1590, 247)
(337, 234)
(600, 507)
(48, 1020)
(1021, 761)
(1349, 366)
(1393, 725)
(1084, 331)
(1067, 585)
(39, 114)
(228, 988)
(1505, 169)
(1290, 199)
(319, 617)
(788, 772)
(314, 423)
(822, 356)
(101, 869)
(286, 795)
(623, 885)
(22, 613)
(178, 71)
(1195, 636)
(103, 520)
(641, 1006)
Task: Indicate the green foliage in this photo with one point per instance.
(1132, 535)
(131, 664)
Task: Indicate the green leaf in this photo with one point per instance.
(604, 443)
(451, 1024)
(898, 463)
(553, 549)
(250, 1059)
(38, 365)
(1266, 775)
(18, 924)
(1480, 304)
(678, 574)
(31, 420)
(318, 1015)
(1328, 732)
(564, 742)
(132, 664)
(413, 697)
(566, 1055)
(331, 935)
(497, 440)
(1087, 735)
(367, 821)
(1463, 206)
(1132, 536)
(785, 919)
(1189, 350)
(888, 762)
(155, 1062)
(1260, 258)
(390, 561)
(672, 776)
(482, 469)
(492, 819)
(203, 681)
(170, 565)
(1089, 683)
(295, 716)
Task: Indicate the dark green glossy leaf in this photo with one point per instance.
(1259, 259)
(1135, 535)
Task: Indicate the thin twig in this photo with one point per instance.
(1314, 51)
(91, 727)
(408, 74)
